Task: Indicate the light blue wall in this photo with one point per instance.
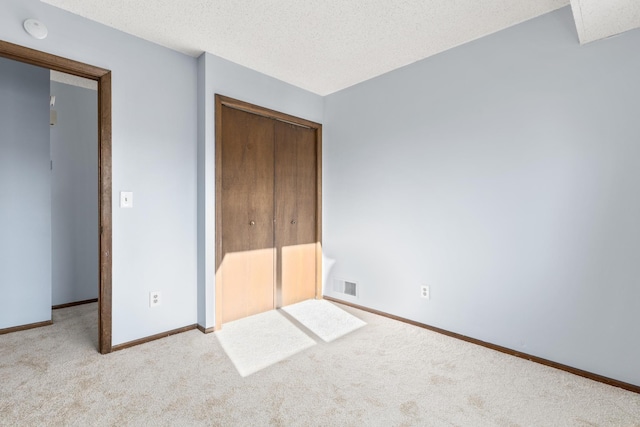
(154, 155)
(74, 194)
(25, 195)
(504, 174)
(219, 76)
(501, 173)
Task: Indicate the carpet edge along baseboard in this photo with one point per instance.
(153, 337)
(73, 304)
(25, 327)
(586, 374)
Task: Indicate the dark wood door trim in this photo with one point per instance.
(103, 77)
(261, 111)
(220, 101)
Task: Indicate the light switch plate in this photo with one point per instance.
(126, 199)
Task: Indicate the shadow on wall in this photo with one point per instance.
(327, 265)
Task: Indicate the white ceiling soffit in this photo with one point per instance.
(319, 45)
(69, 79)
(598, 19)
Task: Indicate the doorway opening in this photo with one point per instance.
(73, 137)
(103, 79)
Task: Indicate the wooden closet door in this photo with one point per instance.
(247, 266)
(296, 212)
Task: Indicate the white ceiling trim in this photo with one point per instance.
(597, 19)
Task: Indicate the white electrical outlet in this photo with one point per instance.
(154, 298)
(424, 292)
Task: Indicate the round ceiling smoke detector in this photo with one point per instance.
(36, 29)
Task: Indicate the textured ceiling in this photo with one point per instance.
(598, 19)
(320, 45)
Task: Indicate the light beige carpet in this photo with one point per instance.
(324, 319)
(385, 374)
(259, 341)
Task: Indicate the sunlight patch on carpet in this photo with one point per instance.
(258, 341)
(324, 319)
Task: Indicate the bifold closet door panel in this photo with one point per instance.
(295, 203)
(247, 267)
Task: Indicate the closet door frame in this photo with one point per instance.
(221, 101)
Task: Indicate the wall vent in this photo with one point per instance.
(346, 287)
